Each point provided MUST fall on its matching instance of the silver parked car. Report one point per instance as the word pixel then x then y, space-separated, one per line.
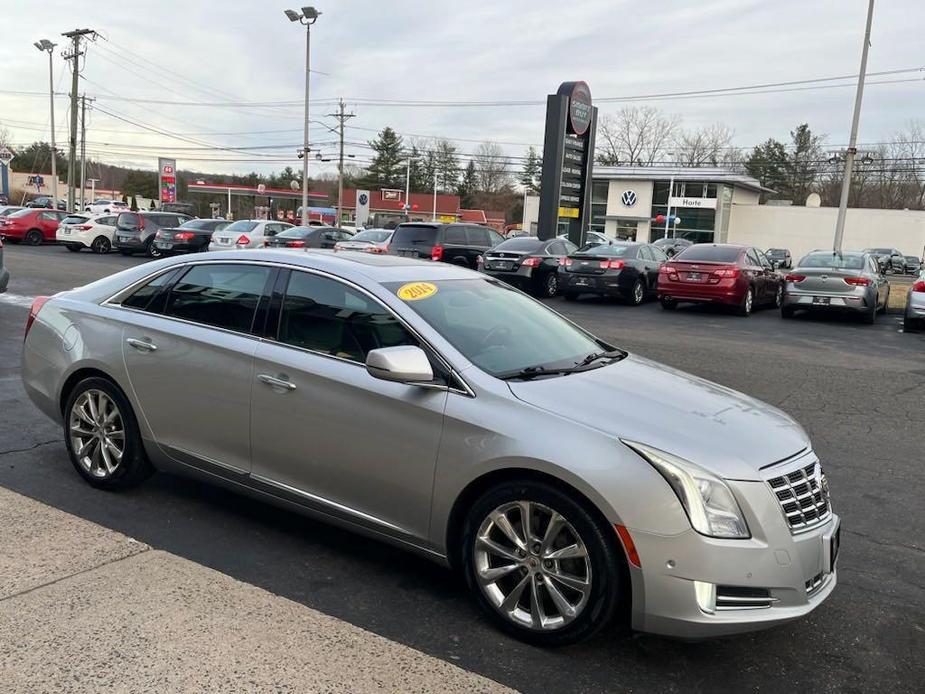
pixel 848 281
pixel 914 316
pixel 497 437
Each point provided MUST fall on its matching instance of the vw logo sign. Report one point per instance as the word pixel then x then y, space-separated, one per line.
pixel 364 198
pixel 629 198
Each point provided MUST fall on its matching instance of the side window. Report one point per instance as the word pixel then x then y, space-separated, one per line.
pixel 752 258
pixel 455 236
pixel 107 221
pixel 150 297
pixel 763 259
pixel 644 254
pixel 327 316
pixel 479 236
pixel 224 296
pixel 46 216
pixel 658 254
pixel 556 248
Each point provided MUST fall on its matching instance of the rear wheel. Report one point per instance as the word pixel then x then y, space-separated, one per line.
pixel 151 250
pixel 102 436
pixel 33 237
pixel 550 285
pixel 571 296
pixel 870 315
pixel 73 247
pixel 779 296
pixel 637 293
pixel 747 303
pixel 541 565
pixel 101 245
pixel 668 304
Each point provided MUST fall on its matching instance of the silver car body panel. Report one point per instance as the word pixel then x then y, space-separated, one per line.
pixel 826 288
pixel 391 460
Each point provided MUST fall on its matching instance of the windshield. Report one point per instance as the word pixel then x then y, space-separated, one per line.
pixel 834 261
pixel 495 327
pixel 709 253
pixel 880 251
pixel 372 235
pixel 608 249
pixel 243 225
pixel 776 251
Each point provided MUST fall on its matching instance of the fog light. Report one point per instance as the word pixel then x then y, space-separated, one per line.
pixel 706 596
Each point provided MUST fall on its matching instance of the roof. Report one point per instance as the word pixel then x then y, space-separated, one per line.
pixel 237 189
pixel 477 216
pixel 447 205
pixel 678 173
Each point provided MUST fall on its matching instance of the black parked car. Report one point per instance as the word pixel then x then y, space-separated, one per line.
pixel 459 244
pixel 623 269
pixel 780 257
pixel 672 246
pixel 46 202
pixel 192 236
pixel 913 265
pixel 135 231
pixel 528 263
pixel 307 237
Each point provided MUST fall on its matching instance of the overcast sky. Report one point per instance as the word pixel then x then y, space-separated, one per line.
pixel 235 51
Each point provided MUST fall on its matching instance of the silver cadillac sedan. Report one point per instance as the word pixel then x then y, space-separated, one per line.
pixel 572 483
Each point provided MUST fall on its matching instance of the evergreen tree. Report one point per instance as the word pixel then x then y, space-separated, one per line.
pixel 468 186
pixel 446 164
pixel 418 183
pixel 387 169
pixel 533 168
pixel 134 206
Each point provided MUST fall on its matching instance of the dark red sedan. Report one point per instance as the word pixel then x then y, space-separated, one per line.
pixel 736 276
pixel 31 225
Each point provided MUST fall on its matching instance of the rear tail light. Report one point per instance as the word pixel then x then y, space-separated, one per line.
pixel 794 278
pixel 182 236
pixel 919 286
pixel 857 281
pixel 82 227
pixel 242 240
pixel 377 249
pixel 670 271
pixel 612 264
pixel 726 273
pixel 295 244
pixel 436 253
pixel 37 304
pixel 531 262
pixel 565 262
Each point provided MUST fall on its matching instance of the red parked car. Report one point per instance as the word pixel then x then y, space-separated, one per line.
pixel 720 273
pixel 31 225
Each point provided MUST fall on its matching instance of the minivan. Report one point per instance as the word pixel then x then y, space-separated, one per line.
pixel 459 244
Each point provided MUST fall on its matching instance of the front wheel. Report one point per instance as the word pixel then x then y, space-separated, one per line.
pixel 33 237
pixel 541 565
pixel 638 292
pixel 101 245
pixel 102 437
pixel 779 297
pixel 153 251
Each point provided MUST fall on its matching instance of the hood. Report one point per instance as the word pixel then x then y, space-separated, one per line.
pixel 717 428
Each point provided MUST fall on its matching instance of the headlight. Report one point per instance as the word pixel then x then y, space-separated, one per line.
pixel 708 501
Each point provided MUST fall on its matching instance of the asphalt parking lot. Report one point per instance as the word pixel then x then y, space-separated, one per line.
pixel 858 390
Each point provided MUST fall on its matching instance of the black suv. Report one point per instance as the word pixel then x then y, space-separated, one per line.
pixel 459 244
pixel 135 231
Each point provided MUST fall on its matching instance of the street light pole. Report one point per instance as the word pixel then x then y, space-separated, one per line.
pixel 668 211
pixel 46 45
pixel 408 187
pixel 308 16
pixel 853 140
pixel 436 173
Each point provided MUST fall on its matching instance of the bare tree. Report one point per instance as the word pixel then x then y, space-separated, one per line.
pixel 493 168
pixel 636 136
pixel 706 146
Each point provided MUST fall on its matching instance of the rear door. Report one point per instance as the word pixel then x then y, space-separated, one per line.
pixel 326 431
pixel 189 353
pixel 756 274
pixel 771 277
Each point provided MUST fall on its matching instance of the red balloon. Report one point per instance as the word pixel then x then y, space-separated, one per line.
pixel 659 218
pixel 414 206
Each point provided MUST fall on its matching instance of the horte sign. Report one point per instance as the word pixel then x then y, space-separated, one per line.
pixel 704 203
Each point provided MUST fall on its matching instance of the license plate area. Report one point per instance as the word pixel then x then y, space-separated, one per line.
pixel 693 277
pixel 821 300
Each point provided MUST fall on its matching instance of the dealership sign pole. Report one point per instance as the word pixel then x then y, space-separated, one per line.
pixel 568 161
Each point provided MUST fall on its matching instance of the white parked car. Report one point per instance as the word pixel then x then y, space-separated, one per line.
pixel 351 227
pixel 246 233
pixel 103 205
pixel 93 231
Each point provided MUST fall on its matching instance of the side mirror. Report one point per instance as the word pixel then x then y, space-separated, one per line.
pixel 405 364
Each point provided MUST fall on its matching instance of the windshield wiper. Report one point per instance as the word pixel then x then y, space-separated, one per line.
pixel 533 371
pixel 615 354
pixel 528 372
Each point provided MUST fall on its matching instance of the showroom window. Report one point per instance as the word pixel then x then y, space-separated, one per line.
pixel 599 191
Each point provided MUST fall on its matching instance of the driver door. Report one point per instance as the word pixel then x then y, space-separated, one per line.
pixel 326 432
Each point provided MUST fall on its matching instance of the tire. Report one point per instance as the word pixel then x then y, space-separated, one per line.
pixel 870 316
pixel 101 245
pixel 571 296
pixel 550 285
pixel 637 293
pixel 151 250
pixel 601 573
pixel 668 304
pixel 886 301
pixel 779 296
pixel 73 247
pixel 787 312
pixel 748 303
pixel 96 466
pixel 33 237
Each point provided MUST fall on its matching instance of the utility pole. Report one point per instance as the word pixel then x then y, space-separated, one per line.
pixel 83 150
pixel 93 188
pixel 853 140
pixel 342 117
pixel 75 54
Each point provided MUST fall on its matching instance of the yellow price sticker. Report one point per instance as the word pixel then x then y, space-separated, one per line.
pixel 415 291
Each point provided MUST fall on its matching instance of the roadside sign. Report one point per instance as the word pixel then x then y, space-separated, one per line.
pixel 6 156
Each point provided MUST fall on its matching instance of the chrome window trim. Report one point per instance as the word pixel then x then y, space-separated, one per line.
pixel 111 302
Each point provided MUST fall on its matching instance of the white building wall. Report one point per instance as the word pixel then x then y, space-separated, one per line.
pixel 803 229
pixel 641 210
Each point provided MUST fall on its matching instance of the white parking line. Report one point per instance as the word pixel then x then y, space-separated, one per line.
pixel 17 300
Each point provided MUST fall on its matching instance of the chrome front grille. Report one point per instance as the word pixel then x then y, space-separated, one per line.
pixel 803 494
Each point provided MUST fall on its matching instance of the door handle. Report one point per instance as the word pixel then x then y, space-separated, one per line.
pixel 276 382
pixel 142 345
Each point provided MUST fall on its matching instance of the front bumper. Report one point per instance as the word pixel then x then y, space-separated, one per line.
pixel 796 570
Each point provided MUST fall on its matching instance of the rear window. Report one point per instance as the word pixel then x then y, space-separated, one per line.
pixel 22 213
pixel 880 251
pixel 372 235
pixel 414 235
pixel 128 219
pixel 296 232
pixel 834 261
pixel 521 244
pixel 612 250
pixel 199 224
pixel 242 225
pixel 75 219
pixel 709 254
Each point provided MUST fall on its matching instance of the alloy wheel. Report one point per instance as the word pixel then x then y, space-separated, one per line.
pixel 749 299
pixel 551 285
pixel 97 433
pixel 101 245
pixel 532 565
pixel 779 297
pixel 638 292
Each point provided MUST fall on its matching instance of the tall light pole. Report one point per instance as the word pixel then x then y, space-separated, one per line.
pixel 436 174
pixel 408 186
pixel 49 47
pixel 308 16
pixel 853 140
